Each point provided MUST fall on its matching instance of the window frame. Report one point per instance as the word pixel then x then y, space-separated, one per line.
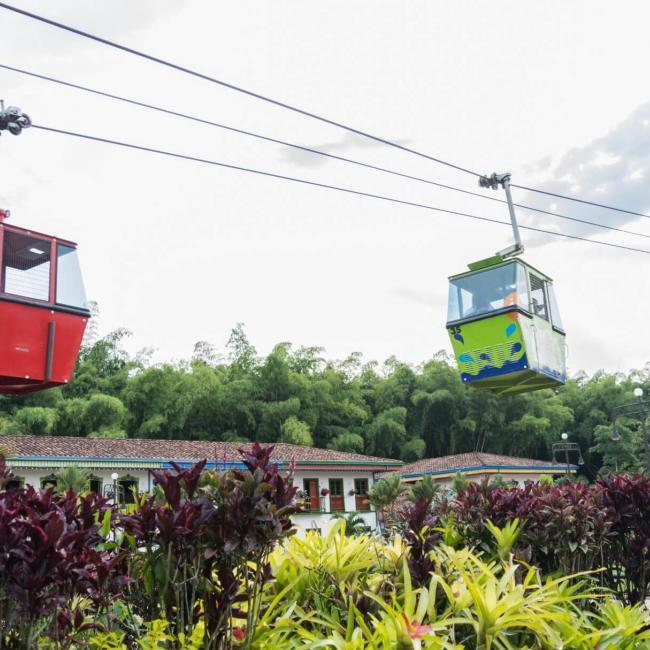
pixel 547 305
pixel 361 498
pixel 336 498
pixel 52 273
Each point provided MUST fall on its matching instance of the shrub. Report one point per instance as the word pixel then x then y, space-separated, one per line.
pixel 208 545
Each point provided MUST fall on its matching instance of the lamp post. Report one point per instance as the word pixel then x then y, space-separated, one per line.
pixel 115 476
pixel 640 408
pixel 567 447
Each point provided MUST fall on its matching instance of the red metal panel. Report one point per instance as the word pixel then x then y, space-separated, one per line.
pixel 24 346
pixel 336 503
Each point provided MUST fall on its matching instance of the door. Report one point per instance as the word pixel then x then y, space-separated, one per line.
pixel 310 486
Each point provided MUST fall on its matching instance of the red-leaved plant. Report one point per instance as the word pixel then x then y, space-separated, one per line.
pixel 208 543
pixel 49 554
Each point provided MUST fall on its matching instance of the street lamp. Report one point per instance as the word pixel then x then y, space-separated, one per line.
pixel 567 447
pixel 115 476
pixel 640 408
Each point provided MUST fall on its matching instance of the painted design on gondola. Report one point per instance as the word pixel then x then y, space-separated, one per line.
pixel 511 329
pixel 492 371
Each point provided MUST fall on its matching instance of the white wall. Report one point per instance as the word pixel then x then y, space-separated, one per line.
pixel 34 476
pixel 319 520
pixel 324 520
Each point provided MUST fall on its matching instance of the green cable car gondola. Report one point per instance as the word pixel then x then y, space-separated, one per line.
pixel 503 320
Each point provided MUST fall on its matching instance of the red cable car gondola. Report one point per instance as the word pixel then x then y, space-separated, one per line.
pixel 43 309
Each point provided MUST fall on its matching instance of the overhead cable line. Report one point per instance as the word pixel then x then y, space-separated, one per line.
pixel 336 188
pixel 290 107
pixel 577 200
pixel 225 84
pixel 310 150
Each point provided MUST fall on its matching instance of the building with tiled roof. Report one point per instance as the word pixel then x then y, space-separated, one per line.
pixel 333 481
pixel 477 465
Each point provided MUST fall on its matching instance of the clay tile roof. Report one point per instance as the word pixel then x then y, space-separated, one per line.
pixel 472 460
pixel 181 450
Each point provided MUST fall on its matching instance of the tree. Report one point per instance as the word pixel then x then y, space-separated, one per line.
pixel 413 450
pixel 387 432
pixel 623 455
pixel 383 493
pixel 109 432
pixel 103 412
pixel 296 432
pixel 347 441
pixel 72 478
pixel 241 354
pixel 426 489
pixel 34 421
pixel 355 524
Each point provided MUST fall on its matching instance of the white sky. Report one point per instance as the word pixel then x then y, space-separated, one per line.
pixel 179 252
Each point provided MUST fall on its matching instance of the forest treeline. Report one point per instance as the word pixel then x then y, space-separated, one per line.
pixel 296 395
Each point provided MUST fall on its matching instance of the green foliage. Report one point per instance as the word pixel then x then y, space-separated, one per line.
pixel 347 441
pixel 296 432
pixel 72 478
pixel 426 489
pixel 33 421
pixel 391 409
pixel 383 493
pixel 459 483
pixel 355 524
pixel 387 432
pixel 103 412
pixel 413 450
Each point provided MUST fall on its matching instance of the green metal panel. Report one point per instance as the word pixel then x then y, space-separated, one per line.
pixel 94 464
pixel 509 353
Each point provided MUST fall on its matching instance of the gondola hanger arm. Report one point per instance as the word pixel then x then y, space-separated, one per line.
pixel 493 182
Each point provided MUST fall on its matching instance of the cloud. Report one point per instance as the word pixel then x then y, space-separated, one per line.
pixel 338 147
pixel 612 170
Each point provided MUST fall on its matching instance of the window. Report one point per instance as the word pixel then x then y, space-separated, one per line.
pixel 16 482
pixel 128 489
pixel 538 297
pixel 69 284
pixel 361 493
pixel 361 486
pixel 486 291
pixel 48 482
pixel 95 484
pixel 555 310
pixel 26 266
pixel 337 503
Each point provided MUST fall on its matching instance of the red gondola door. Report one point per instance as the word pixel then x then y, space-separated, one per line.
pixel 43 310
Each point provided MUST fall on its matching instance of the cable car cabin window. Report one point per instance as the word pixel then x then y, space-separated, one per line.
pixel 69 284
pixel 555 310
pixel 538 297
pixel 487 291
pixel 26 266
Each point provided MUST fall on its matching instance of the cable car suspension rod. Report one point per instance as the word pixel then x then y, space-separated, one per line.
pixel 503 180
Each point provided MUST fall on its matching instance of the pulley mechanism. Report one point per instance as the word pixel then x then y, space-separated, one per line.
pixel 12 119
pixel 493 182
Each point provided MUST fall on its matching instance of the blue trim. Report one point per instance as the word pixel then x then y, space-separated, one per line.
pixel 455 470
pixel 558 375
